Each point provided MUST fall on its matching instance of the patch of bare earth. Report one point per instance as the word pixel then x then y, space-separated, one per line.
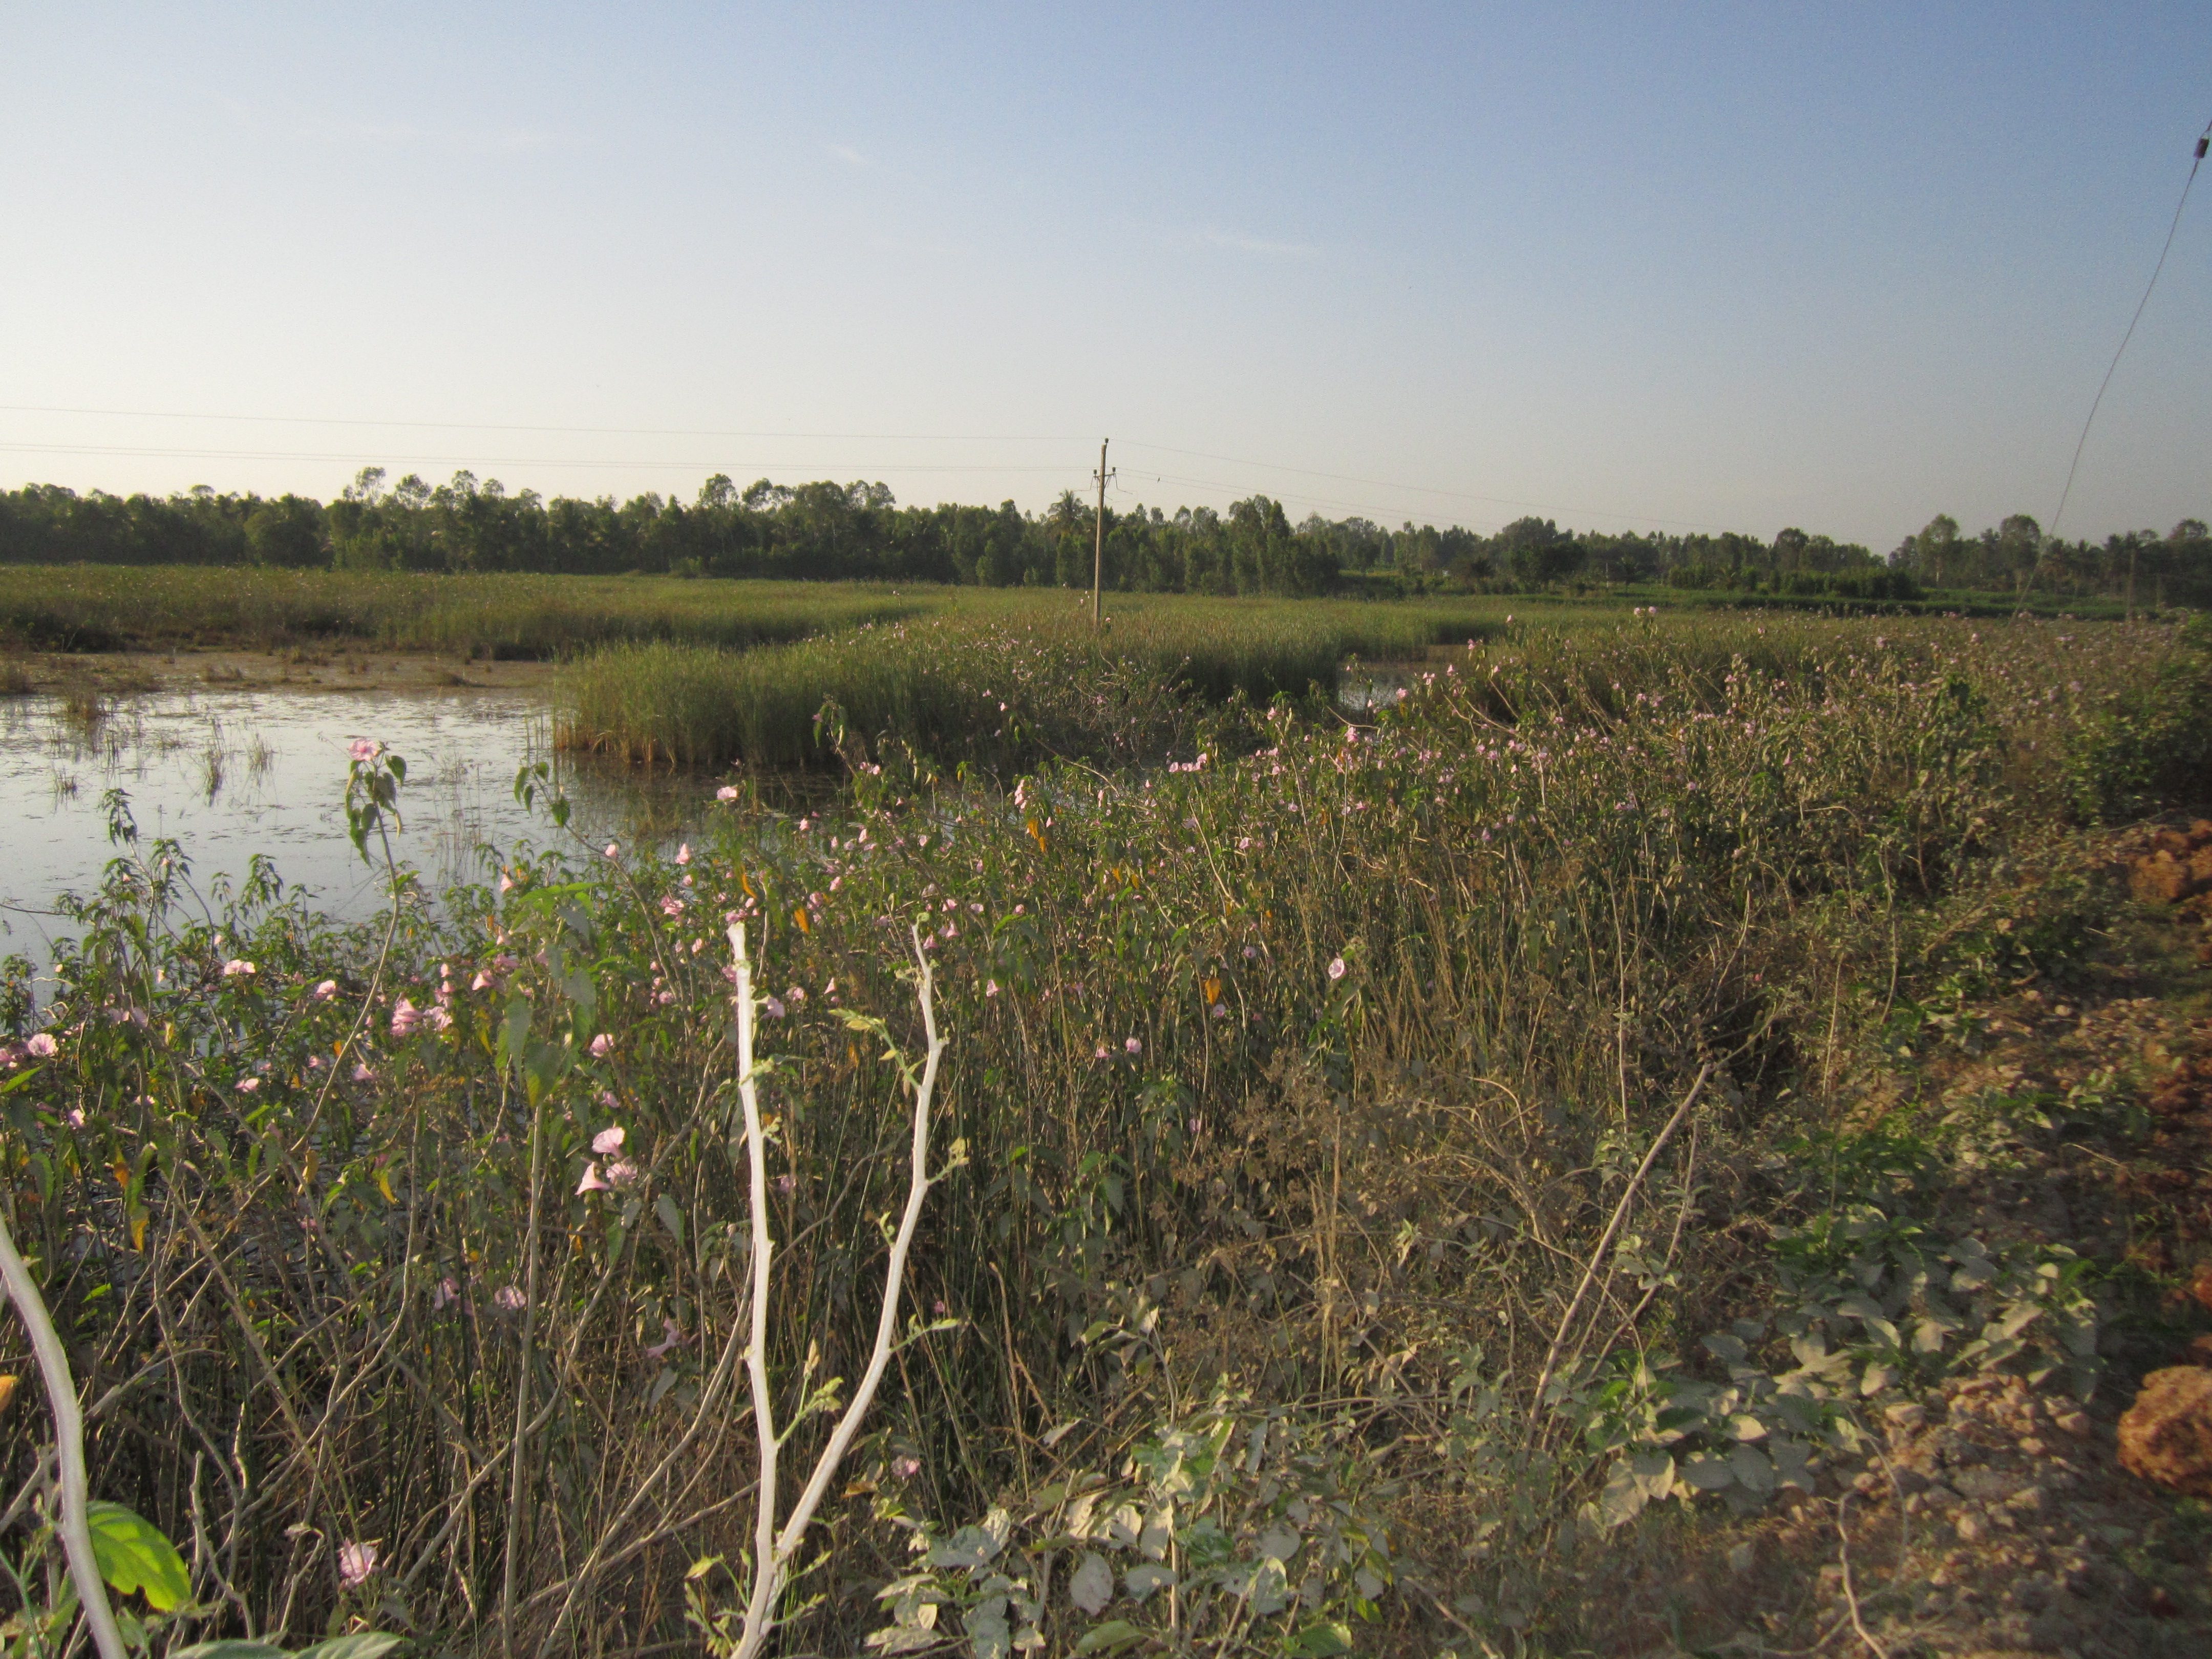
pixel 1996 1517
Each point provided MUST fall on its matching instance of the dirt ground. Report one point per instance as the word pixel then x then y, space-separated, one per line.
pixel 1999 1518
pixel 123 672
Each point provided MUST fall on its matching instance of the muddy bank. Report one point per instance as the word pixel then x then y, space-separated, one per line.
pixel 121 673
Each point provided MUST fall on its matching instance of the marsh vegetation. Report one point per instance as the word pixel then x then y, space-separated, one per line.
pixel 1362 1126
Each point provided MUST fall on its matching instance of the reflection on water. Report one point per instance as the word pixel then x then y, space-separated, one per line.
pixel 233 774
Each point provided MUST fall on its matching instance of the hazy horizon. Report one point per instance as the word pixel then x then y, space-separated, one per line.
pixel 1718 268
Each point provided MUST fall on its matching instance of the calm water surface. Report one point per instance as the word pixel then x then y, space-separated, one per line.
pixel 231 773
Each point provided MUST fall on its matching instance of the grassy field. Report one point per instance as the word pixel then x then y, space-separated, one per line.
pixel 1354 1133
pixel 103 608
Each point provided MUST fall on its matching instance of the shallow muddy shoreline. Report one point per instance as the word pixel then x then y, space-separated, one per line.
pixel 122 673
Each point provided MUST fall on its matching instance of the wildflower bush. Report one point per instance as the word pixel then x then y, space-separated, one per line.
pixel 1309 1061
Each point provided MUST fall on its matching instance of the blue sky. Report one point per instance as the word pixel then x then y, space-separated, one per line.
pixel 1843 267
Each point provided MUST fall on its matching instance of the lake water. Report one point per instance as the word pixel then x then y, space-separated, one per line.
pixel 231 773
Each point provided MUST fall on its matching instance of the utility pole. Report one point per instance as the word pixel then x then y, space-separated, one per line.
pixel 1099 555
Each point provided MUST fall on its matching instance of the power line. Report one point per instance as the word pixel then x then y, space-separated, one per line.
pixel 587 431
pixel 350 457
pixel 2204 143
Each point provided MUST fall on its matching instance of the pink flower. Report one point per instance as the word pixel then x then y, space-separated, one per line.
pixel 602 1046
pixel 683 854
pixel 437 1020
pixel 772 1006
pixel 591 1183
pixel 445 1291
pixel 405 1018
pixel 1134 1046
pixel 355 1561
pixel 1336 970
pixel 362 1074
pixel 483 980
pixel 614 850
pixel 73 1117
pixel 365 748
pixel 237 969
pixel 42 1045
pixel 247 1085
pixel 906 1467
pixel 727 792
pixel 624 1173
pixel 990 988
pixel 607 1142
pixel 326 991
pixel 508 1297
pixel 1219 1010
pixel 671 1336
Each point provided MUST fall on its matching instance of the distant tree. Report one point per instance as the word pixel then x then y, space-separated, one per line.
pixel 286 531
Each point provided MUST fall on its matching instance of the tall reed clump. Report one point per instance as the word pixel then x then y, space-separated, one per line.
pixel 1310 1101
pixel 995 694
pixel 1001 679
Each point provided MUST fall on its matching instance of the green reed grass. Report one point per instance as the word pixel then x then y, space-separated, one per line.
pixel 1005 677
pixel 1312 1071
pixel 101 608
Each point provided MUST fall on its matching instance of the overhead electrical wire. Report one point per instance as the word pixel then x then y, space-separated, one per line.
pixel 585 431
pixel 475 461
pixel 2204 143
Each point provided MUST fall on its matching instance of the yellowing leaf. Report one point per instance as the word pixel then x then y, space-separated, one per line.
pixel 384 1186
pixel 798 915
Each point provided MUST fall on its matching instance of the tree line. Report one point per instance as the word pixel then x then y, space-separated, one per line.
pixel 826 531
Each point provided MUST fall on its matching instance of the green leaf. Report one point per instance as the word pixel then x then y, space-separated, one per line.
pixel 363 1644
pixel 1112 1636
pixel 1323 1638
pixel 133 1555
pixel 229 1648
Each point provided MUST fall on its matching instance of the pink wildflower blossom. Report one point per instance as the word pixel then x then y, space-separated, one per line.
pixel 607 1142
pixel 238 969
pixel 602 1046
pixel 365 748
pixel 405 1018
pixel 727 792
pixel 683 853
pixel 42 1045
pixel 326 991
pixel 591 1183
pixel 247 1085
pixel 508 1297
pixel 355 1561
pixel 1336 969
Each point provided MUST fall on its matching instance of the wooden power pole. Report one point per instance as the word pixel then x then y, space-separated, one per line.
pixel 1098 554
